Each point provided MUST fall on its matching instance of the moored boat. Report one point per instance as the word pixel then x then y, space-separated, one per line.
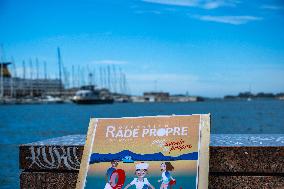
pixel 90 95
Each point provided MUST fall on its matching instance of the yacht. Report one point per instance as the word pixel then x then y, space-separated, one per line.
pixel 90 95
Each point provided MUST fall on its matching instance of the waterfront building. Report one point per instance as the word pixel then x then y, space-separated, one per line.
pixel 156 96
pixel 21 87
pixel 184 98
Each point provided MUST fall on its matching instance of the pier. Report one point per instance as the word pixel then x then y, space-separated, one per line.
pixel 236 161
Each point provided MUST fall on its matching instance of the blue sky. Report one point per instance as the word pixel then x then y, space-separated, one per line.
pixel 205 47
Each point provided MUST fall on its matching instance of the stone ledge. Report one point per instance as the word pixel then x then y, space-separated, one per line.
pixel 67 180
pixel 48 180
pixel 251 159
pixel 246 182
pixel 259 154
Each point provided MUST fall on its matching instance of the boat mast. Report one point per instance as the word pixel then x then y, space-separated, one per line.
pixel 66 77
pixel 78 76
pixel 114 82
pixel 37 69
pixel 59 70
pixel 14 67
pixel 90 75
pixel 108 78
pixel 94 77
pixel 37 77
pixel 120 81
pixel 14 75
pixel 124 84
pixel 73 76
pixel 82 76
pixel 90 79
pixel 24 70
pixel 101 77
pixel 24 85
pixel 31 79
pixel 45 71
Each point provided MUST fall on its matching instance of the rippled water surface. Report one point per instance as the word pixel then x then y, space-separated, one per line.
pixel 21 124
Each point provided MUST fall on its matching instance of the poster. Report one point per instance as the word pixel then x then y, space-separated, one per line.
pixel 146 152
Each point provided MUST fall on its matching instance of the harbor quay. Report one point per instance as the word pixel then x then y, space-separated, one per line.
pixel 237 161
pixel 109 87
pixel 35 88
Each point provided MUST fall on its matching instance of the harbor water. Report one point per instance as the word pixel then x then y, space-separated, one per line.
pixel 21 124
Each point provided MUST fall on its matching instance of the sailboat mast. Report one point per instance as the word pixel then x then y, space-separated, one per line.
pixel 114 79
pixel 14 67
pixel 12 78
pixel 78 76
pixel 104 77
pixel 15 77
pixel 108 78
pixel 24 85
pixel 120 81
pixel 37 77
pixel 31 78
pixel 124 84
pixel 24 70
pixel 73 76
pixel 37 69
pixel 101 77
pixel 45 71
pixel 94 77
pixel 59 70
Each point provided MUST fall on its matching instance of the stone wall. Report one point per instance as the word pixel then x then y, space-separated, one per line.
pixel 236 162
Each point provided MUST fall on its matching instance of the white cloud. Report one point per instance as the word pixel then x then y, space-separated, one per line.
pixel 147 11
pixel 235 20
pixel 205 4
pixel 189 3
pixel 116 62
pixel 213 4
pixel 272 7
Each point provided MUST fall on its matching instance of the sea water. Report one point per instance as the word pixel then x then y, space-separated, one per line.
pixel 21 124
pixel 184 173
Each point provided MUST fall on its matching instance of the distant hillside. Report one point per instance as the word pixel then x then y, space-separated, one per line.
pixel 245 95
pixel 96 157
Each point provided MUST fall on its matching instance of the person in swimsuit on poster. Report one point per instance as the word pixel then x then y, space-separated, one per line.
pixel 109 172
pixel 167 179
pixel 141 182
